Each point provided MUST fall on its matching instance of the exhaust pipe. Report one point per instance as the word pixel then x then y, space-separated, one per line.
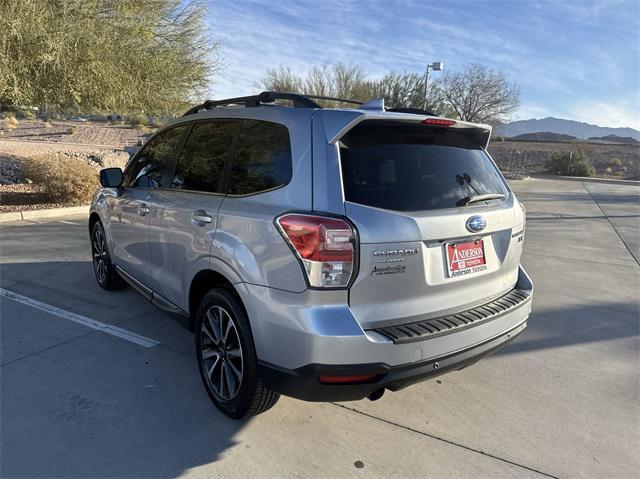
pixel 375 395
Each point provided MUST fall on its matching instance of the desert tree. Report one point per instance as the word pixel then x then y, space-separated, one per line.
pixel 400 90
pixel 479 94
pixel 282 79
pixel 407 90
pixel 152 56
pixel 339 81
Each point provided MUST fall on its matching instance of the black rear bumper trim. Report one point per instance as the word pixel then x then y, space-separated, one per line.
pixel 302 383
pixel 431 328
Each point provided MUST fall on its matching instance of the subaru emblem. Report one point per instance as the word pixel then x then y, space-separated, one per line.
pixel 476 224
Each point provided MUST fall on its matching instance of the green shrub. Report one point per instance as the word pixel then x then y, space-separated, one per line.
pixel 137 121
pixel 65 179
pixel 27 114
pixel 571 163
pixel 156 123
pixel 616 162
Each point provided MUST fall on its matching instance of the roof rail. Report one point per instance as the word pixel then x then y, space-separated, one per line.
pixel 299 101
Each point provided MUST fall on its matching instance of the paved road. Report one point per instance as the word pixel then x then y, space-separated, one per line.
pixel 563 401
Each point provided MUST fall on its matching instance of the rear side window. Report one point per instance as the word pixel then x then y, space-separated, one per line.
pixel 201 164
pixel 414 167
pixel 150 165
pixel 262 158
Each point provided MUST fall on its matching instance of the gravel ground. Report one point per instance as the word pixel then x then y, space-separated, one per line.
pixel 99 143
pixel 84 133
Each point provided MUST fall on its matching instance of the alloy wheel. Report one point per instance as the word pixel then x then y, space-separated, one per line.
pixel 99 248
pixel 221 353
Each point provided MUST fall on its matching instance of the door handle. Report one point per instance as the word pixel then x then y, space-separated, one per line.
pixel 143 209
pixel 201 218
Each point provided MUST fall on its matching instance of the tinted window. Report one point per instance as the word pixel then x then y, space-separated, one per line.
pixel 201 163
pixel 414 167
pixel 150 164
pixel 262 160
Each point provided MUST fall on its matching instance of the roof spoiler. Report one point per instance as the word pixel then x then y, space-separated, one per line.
pixel 338 122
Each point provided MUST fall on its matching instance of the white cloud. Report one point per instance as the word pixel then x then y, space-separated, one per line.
pixel 555 69
pixel 619 114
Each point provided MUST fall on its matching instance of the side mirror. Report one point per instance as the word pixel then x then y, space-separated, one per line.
pixel 111 177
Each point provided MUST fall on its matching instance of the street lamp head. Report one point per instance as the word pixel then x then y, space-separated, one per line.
pixel 437 66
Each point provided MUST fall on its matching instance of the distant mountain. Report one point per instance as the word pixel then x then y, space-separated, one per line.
pixel 544 136
pixel 564 127
pixel 616 139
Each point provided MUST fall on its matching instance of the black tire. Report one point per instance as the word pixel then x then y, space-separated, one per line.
pixel 238 395
pixel 106 274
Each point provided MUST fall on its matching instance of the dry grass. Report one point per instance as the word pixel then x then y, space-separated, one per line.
pixel 64 179
pixel 114 161
pixel 47 124
pixel 10 122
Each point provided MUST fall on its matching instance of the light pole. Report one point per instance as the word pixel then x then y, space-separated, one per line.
pixel 436 67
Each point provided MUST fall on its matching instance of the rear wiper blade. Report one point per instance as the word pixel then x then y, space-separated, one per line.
pixel 477 198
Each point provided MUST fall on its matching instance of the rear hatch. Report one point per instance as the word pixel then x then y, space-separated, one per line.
pixel 439 229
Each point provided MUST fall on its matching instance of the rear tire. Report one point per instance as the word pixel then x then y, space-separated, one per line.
pixel 106 274
pixel 226 357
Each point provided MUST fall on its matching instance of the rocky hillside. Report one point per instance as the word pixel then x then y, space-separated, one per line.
pixel 610 160
pixel 565 127
pixel 616 139
pixel 544 136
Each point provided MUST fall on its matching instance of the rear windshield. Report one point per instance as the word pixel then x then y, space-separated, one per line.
pixel 415 167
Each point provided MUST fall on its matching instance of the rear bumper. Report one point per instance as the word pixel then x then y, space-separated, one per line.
pixel 301 336
pixel 303 383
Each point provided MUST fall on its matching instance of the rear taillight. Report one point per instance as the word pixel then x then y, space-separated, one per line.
pixel 324 245
pixel 438 122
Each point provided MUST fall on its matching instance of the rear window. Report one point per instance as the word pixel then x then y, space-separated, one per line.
pixel 404 167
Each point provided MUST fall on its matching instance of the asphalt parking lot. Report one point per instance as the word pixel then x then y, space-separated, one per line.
pixel 562 401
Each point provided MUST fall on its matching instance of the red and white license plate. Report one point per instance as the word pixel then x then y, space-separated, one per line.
pixel 465 258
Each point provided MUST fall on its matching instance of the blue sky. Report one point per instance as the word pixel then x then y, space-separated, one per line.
pixel 572 59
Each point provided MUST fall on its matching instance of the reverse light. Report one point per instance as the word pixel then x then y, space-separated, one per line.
pixel 438 122
pixel 324 245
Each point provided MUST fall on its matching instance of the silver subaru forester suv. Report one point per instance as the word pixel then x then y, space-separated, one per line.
pixel 327 254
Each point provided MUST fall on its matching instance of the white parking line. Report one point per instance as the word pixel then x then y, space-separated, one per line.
pixel 80 319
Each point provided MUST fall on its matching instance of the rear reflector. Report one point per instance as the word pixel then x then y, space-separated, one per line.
pixel 324 245
pixel 438 122
pixel 346 379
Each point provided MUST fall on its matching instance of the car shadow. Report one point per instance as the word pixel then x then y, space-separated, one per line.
pixel 87 404
pixel 570 325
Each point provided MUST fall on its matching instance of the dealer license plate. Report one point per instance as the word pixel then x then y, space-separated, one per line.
pixel 465 258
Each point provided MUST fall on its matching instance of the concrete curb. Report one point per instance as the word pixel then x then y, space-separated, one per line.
pixel 609 181
pixel 48 213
